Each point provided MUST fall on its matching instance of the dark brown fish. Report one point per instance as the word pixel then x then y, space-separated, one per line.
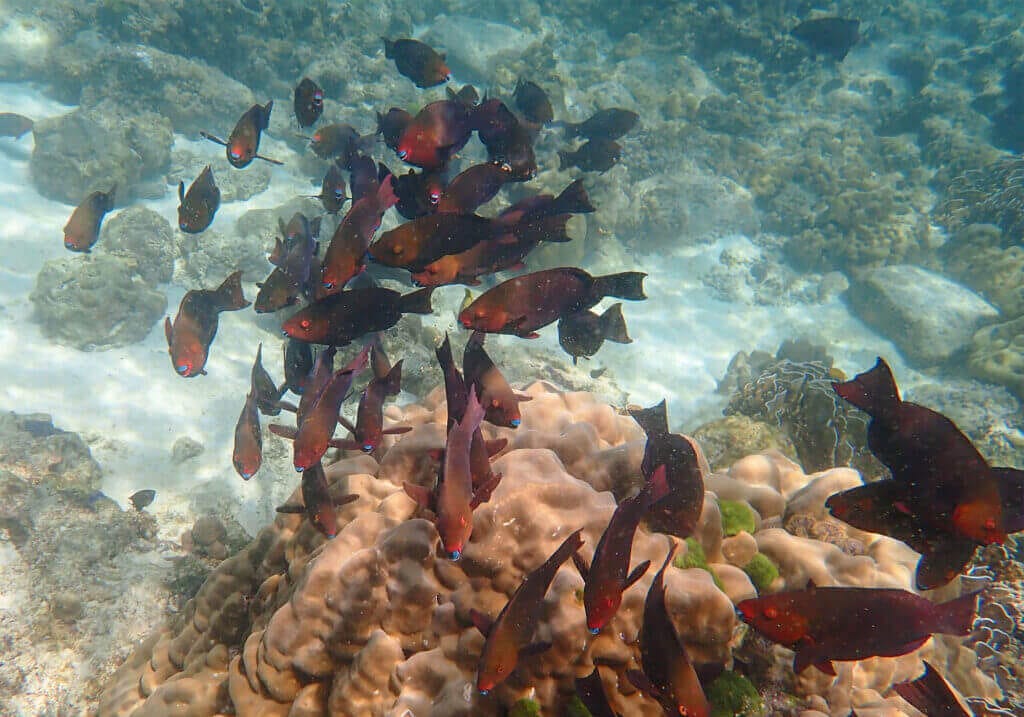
pixel 526 303
pixel 596 155
pixel 391 126
pixel 508 141
pixel 309 102
pixel 318 505
pixel 190 335
pixel 243 144
pixel 500 402
pixel 533 102
pixel 369 426
pixel 247 456
pixel 199 203
pixel 276 292
pixel 832 36
pixel 510 635
pixel 474 187
pixel 332 190
pixel 346 253
pixel 581 334
pixel 267 392
pixel 418 193
pixel 298 365
pixel 837 623
pixel 142 498
pixel 417 61
pixel 590 690
pixel 341 318
pixel 12 125
pixel 604 124
pixel 932 695
pixel 83 228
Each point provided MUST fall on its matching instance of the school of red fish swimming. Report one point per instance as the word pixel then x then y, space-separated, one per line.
pixel 943 499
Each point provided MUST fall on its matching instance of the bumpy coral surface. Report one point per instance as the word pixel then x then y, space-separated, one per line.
pixel 376 621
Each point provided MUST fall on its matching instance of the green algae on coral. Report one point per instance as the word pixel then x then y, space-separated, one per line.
pixel 525 708
pixel 733 695
pixel 761 571
pixel 696 558
pixel 736 517
pixel 576 708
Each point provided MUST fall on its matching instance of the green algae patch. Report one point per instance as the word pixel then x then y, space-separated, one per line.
pixel 736 517
pixel 733 695
pixel 525 708
pixel 576 708
pixel 761 571
pixel 695 558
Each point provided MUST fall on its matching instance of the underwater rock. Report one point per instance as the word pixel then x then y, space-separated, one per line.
pixel 930 318
pixel 99 148
pixel 976 255
pixel 726 440
pixel 25 45
pixel 208 257
pixel 476 48
pixel 95 302
pixel 185 448
pixel 143 238
pixel 40 454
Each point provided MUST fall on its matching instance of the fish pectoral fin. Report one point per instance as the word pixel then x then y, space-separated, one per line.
pixel 288 406
pixel 638 572
pixel 804 658
pixel 168 330
pixel 284 431
pixel 396 431
pixel 268 159
pixel 422 495
pixel 534 648
pixel 483 493
pixel 581 565
pixel 291 508
pixel 481 621
pixel 643 683
pixel 346 499
pixel 826 667
pixel 213 138
pixel 522 397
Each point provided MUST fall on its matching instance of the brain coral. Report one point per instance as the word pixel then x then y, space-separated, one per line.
pixel 377 622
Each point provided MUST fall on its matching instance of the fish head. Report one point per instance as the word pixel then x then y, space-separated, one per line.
pixel 980 521
pixel 775 617
pixel 455 531
pixel 433 191
pixel 188 356
pixel 245 466
pixel 74 243
pixel 437 273
pixel 326 521
pixel 240 152
pixel 483 317
pixel 302 326
pixel 505 414
pixel 601 610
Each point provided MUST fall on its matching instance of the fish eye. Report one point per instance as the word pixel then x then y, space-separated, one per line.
pixel 298 469
pixel 495 403
pixel 183 368
pixel 396 249
pixel 515 422
pixel 316 137
pixel 326 285
pixel 305 323
pixel 235 154
pixel 454 554
pixel 435 197
pixel 69 244
pixel 594 630
pixel 771 613
pixel 484 692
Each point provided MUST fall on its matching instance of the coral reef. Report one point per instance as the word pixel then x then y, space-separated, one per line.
pixel 997 355
pixel 145 239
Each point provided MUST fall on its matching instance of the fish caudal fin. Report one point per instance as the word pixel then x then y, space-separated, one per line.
pixel 873 392
pixel 653 420
pixel 568 548
pixel 418 302
pixel 956 617
pixel 392 383
pixel 628 285
pixel 573 200
pixel 930 693
pixel 229 293
pixel 613 325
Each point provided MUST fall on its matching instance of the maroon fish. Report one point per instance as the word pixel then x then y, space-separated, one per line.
pixel 243 144
pixel 417 61
pixel 83 228
pixel 609 576
pixel 341 318
pixel 467 95
pixel 190 335
pixel 369 426
pixel 668 675
pixel 484 257
pixel 508 141
pixel 510 635
pixel 346 254
pixel 677 505
pixel 267 393
pixel 318 505
pixel 308 102
pixel 932 695
pixel 500 402
pixel 572 200
pixel 526 303
pixel 277 291
pixel 298 365
pixel 417 243
pixel 247 455
pixel 838 623
pixel 440 130
pixel 474 187
pixel 295 253
pixel 533 102
pixel 391 126
pixel 582 334
pixel 199 203
pixel 590 690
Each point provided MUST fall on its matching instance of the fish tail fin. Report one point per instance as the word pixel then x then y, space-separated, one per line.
pixel 393 381
pixel 956 617
pixel 568 547
pixel 873 391
pixel 417 302
pixel 229 293
pixel 389 48
pixel 613 325
pixel 473 414
pixel 573 200
pixel 444 352
pixel 109 198
pixel 564 160
pixel 653 420
pixel 627 285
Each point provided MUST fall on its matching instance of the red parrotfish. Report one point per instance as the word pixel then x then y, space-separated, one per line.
pixel 533 102
pixel 316 424
pixel 309 102
pixel 418 193
pixel 190 335
pixel 391 126
pixel 529 302
pixel 668 675
pixel 932 695
pixel 298 365
pixel 247 455
pixel 572 200
pixel 510 635
pixel 823 624
pixel 267 392
pixel 474 187
pixel 677 505
pixel 417 243
pixel 199 203
pixel 346 254
pixel 606 124
pixel 440 130
pixel 341 318
pixel 332 190
pixel 596 155
pixel 501 403
pixel 582 334
pixel 590 690
pixel 243 144
pixel 608 576
pixel 417 61
pixel 340 141
pixel 369 426
pixel 318 505
pixel 83 228
pixel 14 125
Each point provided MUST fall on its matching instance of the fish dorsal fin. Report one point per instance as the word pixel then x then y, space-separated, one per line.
pixel 291 508
pixel 481 622
pixel 181 192
pixel 811 585
pixel 638 572
pixel 168 330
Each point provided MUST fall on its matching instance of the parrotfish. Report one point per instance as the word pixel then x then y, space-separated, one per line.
pixel 668 675
pixel 243 144
pixel 199 204
pixel 341 318
pixel 590 690
pixel 508 141
pixel 596 155
pixel 346 254
pixel 581 334
pixel 500 402
pixel 533 102
pixel 391 126
pixel 340 141
pixel 365 176
pixel 267 392
pixel 309 102
pixel 510 635
pixel 318 505
pixel 332 190
pixel 832 36
pixel 440 130
pixel 474 187
pixel 417 243
pixel 932 695
pixel 823 624
pixel 294 255
pixel 608 576
pixel 417 61
pixel 14 125
pixel 676 505
pixel 606 124
pixel 190 335
pixel 369 427
pixel 247 455
pixel 418 193
pixel 298 365
pixel 485 257
pixel 572 200
pixel 529 302
pixel 83 228
pixel 277 291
